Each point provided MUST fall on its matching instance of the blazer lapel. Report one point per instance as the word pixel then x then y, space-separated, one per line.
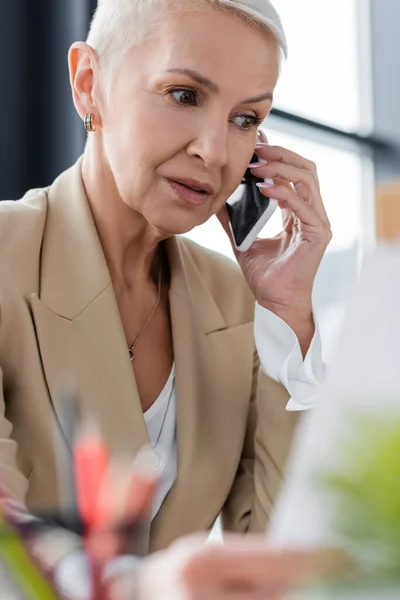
pixel 77 320
pixel 210 391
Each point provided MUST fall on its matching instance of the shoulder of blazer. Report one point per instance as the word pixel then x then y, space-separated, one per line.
pixel 224 280
pixel 22 225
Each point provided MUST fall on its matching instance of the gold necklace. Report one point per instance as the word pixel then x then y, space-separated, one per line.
pixel 135 342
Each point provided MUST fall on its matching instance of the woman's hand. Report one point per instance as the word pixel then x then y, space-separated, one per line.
pixel 241 569
pixel 281 271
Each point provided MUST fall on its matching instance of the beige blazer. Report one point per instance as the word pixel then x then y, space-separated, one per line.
pixel 58 314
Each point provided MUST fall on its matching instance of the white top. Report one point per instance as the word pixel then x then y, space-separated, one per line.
pixel 281 358
pixel 161 427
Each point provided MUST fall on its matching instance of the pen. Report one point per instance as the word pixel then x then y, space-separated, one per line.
pixel 67 412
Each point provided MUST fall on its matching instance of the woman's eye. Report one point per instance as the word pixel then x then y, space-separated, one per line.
pixel 246 122
pixel 184 96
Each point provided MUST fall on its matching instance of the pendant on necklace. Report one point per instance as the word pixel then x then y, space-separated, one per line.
pixel 132 354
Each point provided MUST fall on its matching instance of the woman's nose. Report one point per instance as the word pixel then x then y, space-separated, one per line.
pixel 211 145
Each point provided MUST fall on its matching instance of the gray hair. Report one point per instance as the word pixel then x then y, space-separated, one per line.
pixel 119 25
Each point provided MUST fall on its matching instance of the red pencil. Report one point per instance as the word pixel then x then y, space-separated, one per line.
pixel 91 462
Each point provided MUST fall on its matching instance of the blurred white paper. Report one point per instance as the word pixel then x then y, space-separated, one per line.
pixel 364 377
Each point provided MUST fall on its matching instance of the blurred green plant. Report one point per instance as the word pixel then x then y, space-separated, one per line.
pixel 365 489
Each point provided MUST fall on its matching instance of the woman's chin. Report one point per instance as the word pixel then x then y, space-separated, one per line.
pixel 169 231
pixel 178 224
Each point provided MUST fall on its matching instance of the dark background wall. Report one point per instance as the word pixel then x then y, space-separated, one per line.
pixel 40 132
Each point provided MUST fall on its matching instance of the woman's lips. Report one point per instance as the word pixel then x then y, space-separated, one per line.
pixel 188 195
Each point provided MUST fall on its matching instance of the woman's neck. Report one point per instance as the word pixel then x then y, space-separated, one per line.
pixel 129 243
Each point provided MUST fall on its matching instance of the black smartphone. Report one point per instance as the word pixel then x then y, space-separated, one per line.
pixel 249 210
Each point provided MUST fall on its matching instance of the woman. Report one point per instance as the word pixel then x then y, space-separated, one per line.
pixel 95 283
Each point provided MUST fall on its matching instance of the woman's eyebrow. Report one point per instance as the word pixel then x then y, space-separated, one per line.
pixel 261 98
pixel 206 82
pixel 201 79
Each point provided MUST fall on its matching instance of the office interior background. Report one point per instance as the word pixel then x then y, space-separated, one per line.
pixel 337 103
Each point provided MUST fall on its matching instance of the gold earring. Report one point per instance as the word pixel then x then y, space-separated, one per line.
pixel 88 120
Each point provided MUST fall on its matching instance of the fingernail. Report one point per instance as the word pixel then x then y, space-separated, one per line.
pixel 262 145
pixel 268 183
pixel 260 163
pixel 262 136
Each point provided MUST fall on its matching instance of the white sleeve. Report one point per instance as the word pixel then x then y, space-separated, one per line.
pixel 281 358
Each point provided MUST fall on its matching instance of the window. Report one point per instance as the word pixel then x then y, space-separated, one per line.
pixel 323 78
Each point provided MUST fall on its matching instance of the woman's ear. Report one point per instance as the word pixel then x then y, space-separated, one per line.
pixel 83 67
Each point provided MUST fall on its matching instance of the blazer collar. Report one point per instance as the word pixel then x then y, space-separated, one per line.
pixel 73 268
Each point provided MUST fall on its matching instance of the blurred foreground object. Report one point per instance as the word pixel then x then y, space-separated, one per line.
pixel 22 571
pixel 241 569
pixel 366 490
pixel 388 211
pixel 352 441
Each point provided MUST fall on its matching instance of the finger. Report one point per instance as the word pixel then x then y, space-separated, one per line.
pixel 277 571
pixel 287 216
pixel 252 567
pixel 259 594
pixel 293 202
pixel 286 173
pixel 253 546
pixel 298 177
pixel 262 137
pixel 279 154
pixel 240 569
pixel 284 182
pixel 304 178
pixel 208 593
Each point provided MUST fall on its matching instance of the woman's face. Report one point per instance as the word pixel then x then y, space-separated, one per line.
pixel 183 113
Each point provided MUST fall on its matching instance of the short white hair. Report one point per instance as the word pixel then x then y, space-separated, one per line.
pixel 119 25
